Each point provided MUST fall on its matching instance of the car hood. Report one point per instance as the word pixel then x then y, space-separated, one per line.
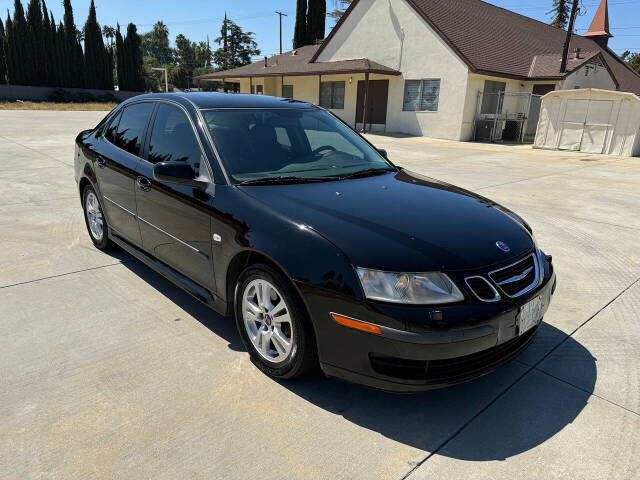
pixel 401 221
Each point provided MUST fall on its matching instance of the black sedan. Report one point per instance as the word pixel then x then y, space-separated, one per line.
pixel 326 253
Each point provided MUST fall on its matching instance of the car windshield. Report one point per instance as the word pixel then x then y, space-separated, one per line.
pixel 289 145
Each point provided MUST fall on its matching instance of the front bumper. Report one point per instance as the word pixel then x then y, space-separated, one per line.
pixel 420 348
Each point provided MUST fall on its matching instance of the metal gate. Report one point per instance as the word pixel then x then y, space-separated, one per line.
pixel 506 117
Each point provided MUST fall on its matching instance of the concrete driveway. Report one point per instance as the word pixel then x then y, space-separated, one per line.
pixel 109 371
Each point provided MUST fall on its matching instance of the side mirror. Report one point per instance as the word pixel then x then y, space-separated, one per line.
pixel 180 173
pixel 382 152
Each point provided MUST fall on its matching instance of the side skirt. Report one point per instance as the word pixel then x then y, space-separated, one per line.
pixel 189 286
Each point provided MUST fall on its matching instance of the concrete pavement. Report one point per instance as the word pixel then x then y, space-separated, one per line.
pixel 109 371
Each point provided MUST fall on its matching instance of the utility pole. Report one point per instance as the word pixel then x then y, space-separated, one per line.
pixel 280 14
pixel 565 50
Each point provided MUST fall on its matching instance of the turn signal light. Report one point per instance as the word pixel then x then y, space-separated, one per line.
pixel 357 324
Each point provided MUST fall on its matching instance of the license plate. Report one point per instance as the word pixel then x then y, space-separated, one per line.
pixel 531 313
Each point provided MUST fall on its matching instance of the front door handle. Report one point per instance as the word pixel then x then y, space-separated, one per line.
pixel 102 162
pixel 144 184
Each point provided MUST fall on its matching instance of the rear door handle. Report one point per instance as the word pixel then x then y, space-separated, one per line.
pixel 144 184
pixel 102 162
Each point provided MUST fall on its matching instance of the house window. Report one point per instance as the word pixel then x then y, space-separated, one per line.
pixel 287 91
pixel 491 102
pixel 421 95
pixel 259 89
pixel 332 95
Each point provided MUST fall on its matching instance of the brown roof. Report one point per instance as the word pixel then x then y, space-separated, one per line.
pixel 600 24
pixel 299 64
pixel 500 42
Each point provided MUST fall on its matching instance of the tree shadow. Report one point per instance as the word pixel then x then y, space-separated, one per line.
pixel 523 408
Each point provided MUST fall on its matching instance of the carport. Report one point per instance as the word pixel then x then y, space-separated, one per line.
pixel 590 120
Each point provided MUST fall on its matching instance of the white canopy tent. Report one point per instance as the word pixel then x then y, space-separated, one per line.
pixel 590 120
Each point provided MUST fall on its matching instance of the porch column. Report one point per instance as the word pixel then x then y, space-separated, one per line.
pixel 365 107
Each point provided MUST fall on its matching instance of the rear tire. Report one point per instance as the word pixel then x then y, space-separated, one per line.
pixel 94 219
pixel 273 324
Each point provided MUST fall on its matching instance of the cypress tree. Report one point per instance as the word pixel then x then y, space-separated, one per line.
pixel 133 59
pixel 93 51
pixel 3 69
pixel 46 46
pixel 73 50
pixel 120 58
pixel 8 49
pixel 61 52
pixel 18 42
pixel 300 32
pixel 35 60
pixel 315 20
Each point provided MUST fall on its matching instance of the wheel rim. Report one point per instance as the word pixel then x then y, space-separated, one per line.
pixel 267 320
pixel 94 216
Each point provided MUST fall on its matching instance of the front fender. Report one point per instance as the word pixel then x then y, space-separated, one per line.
pixel 301 252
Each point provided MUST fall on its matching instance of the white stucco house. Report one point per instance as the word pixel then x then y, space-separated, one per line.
pixel 417 66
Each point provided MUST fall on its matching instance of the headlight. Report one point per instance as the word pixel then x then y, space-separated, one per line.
pixel 413 288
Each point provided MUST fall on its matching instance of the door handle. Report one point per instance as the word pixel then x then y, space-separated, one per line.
pixel 102 162
pixel 144 184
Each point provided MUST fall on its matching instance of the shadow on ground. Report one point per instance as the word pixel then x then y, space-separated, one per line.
pixel 533 411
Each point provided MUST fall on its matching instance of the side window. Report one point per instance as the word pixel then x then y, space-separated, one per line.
pixel 173 138
pixel 131 127
pixel 110 134
pixel 283 137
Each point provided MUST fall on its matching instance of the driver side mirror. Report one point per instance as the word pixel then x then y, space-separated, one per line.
pixel 382 152
pixel 180 173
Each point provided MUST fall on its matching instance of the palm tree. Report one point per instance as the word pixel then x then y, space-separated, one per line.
pixel 109 33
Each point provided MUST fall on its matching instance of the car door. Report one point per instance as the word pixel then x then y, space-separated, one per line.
pixel 174 220
pixel 116 171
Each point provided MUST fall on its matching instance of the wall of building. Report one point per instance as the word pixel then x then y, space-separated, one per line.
pixel 39 94
pixel 393 34
pixel 590 75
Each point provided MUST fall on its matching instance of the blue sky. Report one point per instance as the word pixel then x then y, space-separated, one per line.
pixel 198 18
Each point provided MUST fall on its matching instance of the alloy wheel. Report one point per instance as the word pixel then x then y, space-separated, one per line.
pixel 94 216
pixel 267 320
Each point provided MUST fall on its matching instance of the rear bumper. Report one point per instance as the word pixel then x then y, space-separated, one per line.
pixel 414 354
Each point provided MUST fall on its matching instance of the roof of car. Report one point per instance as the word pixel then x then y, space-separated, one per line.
pixel 226 100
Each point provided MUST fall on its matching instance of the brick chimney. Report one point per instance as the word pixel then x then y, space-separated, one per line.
pixel 599 29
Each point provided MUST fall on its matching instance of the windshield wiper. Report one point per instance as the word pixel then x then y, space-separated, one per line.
pixel 287 179
pixel 369 172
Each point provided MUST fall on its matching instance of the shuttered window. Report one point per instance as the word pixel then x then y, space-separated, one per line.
pixel 421 95
pixel 332 95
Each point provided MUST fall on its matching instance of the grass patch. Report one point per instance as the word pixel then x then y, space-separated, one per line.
pixel 72 106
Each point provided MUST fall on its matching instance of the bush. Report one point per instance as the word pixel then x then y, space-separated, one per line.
pixel 64 96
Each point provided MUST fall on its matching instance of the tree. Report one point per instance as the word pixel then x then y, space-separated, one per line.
pixel 109 33
pixel 316 21
pixel 300 32
pixel 17 41
pixel 120 64
pixel 236 46
pixel 132 59
pixel 632 59
pixel 98 69
pixel 73 55
pixel 155 43
pixel 35 60
pixel 561 11
pixel 3 60
pixel 340 6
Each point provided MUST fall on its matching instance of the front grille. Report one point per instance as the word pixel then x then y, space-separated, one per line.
pixel 518 278
pixel 482 289
pixel 450 370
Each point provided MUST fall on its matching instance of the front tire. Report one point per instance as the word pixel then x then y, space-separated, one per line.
pixel 273 324
pixel 94 219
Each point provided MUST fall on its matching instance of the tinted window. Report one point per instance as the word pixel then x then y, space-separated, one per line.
pixel 131 127
pixel 258 143
pixel 110 134
pixel 173 138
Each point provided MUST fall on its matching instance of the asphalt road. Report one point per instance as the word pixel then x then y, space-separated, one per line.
pixel 109 371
